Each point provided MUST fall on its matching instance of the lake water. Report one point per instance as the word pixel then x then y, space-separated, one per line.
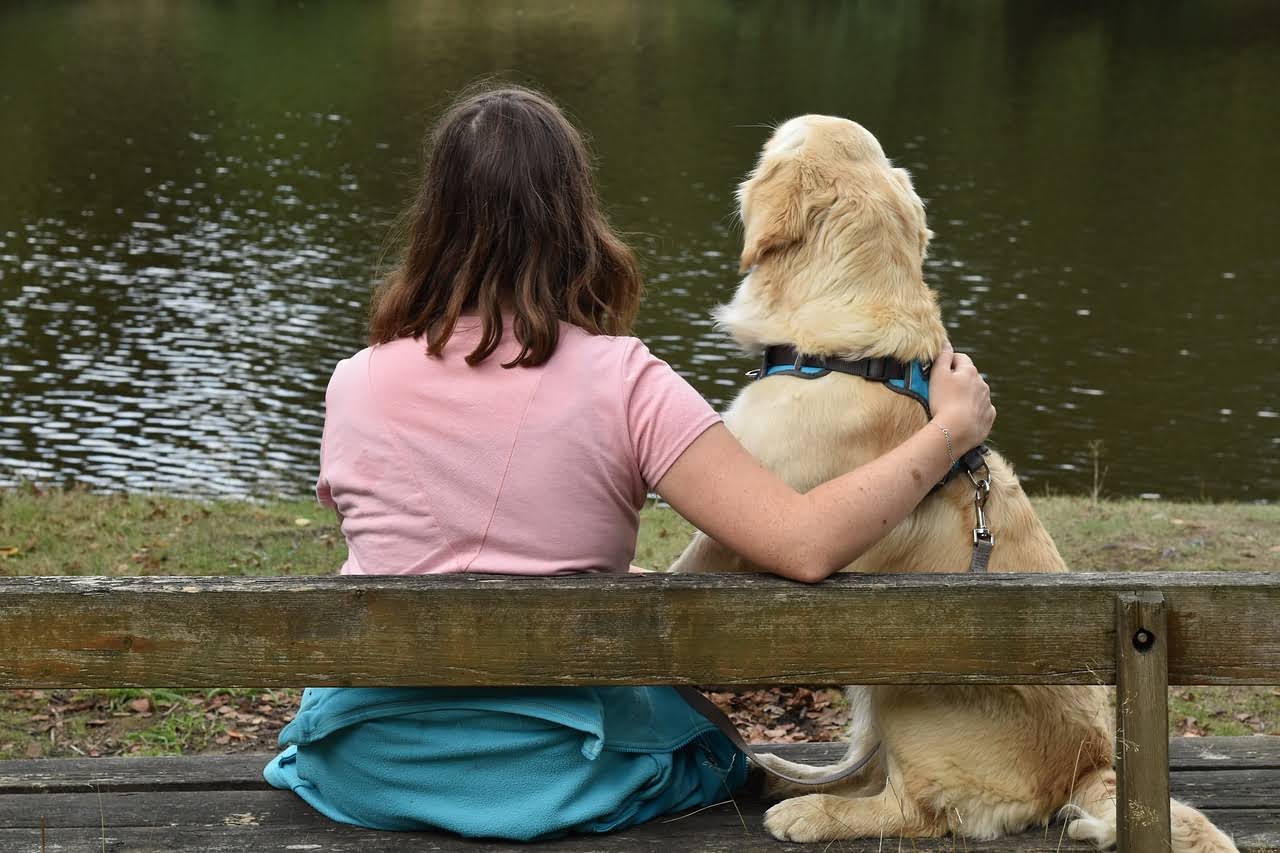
pixel 196 196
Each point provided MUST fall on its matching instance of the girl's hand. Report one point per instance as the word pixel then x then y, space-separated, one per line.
pixel 960 399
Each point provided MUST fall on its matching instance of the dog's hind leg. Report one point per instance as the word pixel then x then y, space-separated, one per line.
pixel 825 817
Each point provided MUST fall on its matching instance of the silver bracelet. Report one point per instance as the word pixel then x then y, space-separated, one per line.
pixel 947 435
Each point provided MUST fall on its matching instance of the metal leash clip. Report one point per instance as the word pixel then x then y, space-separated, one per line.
pixel 983 539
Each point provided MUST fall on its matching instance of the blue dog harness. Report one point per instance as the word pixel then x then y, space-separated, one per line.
pixel 910 379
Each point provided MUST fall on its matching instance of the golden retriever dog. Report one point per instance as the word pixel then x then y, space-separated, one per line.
pixel 834 244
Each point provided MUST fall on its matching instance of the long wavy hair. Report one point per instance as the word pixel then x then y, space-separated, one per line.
pixel 507 220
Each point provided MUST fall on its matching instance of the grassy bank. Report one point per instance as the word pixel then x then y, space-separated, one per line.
pixel 53 532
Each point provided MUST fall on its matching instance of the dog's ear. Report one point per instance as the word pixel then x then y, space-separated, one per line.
pixel 776 202
pixel 924 235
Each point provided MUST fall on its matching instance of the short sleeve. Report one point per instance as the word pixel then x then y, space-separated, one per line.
pixel 324 494
pixel 664 412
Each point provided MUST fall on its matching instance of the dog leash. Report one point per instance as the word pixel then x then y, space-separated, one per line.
pixel 717 718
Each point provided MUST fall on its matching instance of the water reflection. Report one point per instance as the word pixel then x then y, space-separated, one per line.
pixel 199 194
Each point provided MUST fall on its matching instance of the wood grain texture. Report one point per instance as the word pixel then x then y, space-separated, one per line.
pixel 723 629
pixel 219 803
pixel 134 805
pixel 1142 720
pixel 243 771
pixel 279 821
pixel 718 832
pixel 240 772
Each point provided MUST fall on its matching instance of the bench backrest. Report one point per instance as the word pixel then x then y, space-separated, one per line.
pixel 648 629
pixel 1138 631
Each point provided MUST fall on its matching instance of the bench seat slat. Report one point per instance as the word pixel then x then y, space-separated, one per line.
pixel 250 824
pixel 243 771
pixel 698 835
pixel 219 803
pixel 1220 790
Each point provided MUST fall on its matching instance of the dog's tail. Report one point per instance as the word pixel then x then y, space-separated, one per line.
pixel 1092 816
pixel 860 732
pixel 868 780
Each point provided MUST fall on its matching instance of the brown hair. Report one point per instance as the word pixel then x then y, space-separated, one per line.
pixel 507 218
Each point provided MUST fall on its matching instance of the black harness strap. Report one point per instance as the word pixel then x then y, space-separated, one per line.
pixel 875 369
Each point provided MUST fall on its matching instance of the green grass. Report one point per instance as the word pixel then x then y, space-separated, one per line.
pixel 75 532
pixel 1138 535
pixel 56 532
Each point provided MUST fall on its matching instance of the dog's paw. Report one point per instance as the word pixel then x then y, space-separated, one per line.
pixel 804 819
pixel 1082 826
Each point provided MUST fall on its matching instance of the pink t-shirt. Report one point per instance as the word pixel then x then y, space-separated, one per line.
pixel 435 466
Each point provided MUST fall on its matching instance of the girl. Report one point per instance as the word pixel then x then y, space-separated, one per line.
pixel 502 422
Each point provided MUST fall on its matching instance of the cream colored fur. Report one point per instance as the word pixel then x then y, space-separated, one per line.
pixel 834 244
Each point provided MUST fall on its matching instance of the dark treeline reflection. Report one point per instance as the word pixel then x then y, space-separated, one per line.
pixel 197 196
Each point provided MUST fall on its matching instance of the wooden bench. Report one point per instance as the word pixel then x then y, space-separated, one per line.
pixel 1144 631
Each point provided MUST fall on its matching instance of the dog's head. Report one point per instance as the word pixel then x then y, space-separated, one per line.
pixel 835 239
pixel 828 177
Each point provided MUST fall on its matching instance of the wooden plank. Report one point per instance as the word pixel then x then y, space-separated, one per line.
pixel 724 629
pixel 170 773
pixel 1228 789
pixel 1225 753
pixel 694 836
pixel 1142 720
pixel 243 771
pixel 183 818
pixel 1219 790
pixel 243 825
